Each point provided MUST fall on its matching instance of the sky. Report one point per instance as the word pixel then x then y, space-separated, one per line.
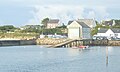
pixel 26 12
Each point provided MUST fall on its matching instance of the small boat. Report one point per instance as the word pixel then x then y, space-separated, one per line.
pixel 83 47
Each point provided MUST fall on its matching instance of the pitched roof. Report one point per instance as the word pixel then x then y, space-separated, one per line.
pixel 83 24
pixel 89 22
pixel 70 22
pixel 53 21
pixel 102 30
pixel 108 22
pixel 115 30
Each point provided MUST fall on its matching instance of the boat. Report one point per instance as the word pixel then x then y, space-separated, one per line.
pixel 80 47
pixel 83 47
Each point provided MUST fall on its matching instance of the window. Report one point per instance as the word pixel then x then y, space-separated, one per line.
pixel 116 34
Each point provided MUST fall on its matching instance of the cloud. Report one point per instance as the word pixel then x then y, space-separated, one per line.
pixel 91 14
pixel 62 12
pixel 68 12
pixel 99 12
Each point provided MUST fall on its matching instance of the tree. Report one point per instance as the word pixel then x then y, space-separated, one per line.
pixel 63 26
pixel 7 28
pixel 44 22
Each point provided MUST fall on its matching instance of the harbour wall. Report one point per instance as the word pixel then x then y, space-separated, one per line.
pixel 102 42
pixel 17 42
pixel 49 41
pixel 90 42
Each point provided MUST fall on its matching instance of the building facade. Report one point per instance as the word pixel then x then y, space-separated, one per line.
pixel 53 23
pixel 78 30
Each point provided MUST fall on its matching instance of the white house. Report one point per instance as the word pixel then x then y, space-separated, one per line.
pixel 78 30
pixel 103 32
pixel 109 33
pixel 108 23
pixel 116 32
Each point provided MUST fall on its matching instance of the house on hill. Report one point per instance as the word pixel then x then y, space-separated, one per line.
pixel 78 30
pixel 109 23
pixel 53 23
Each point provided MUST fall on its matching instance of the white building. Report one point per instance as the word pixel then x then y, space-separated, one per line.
pixel 109 33
pixel 78 30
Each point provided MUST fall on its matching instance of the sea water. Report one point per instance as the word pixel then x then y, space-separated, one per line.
pixel 35 58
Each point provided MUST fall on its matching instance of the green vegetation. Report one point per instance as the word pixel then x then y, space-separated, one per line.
pixel 117 23
pixel 28 31
pixel 52 31
pixel 44 22
pixel 19 35
pixel 7 28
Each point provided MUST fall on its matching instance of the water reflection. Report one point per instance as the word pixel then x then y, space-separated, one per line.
pixel 73 52
pixel 110 49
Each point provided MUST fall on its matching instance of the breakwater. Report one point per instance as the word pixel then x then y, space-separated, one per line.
pixel 17 42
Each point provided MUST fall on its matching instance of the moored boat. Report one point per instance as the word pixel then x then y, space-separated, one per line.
pixel 83 47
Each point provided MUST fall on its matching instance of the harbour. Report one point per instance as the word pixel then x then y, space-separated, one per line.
pixel 37 58
pixel 59 36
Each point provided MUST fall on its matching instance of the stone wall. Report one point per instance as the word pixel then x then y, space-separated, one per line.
pixel 49 41
pixel 114 43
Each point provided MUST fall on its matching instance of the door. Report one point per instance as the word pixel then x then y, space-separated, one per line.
pixel 73 33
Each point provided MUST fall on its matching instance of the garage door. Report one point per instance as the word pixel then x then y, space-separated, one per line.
pixel 73 33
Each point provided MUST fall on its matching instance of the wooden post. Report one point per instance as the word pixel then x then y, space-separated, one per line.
pixel 107 56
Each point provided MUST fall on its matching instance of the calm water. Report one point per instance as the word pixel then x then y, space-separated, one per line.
pixel 41 59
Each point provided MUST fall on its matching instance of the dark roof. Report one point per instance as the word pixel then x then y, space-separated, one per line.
pixel 102 30
pixel 83 24
pixel 53 21
pixel 108 22
pixel 115 30
pixel 89 22
pixel 70 22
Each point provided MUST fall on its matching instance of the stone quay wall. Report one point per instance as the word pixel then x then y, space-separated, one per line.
pixel 114 43
pixel 50 41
